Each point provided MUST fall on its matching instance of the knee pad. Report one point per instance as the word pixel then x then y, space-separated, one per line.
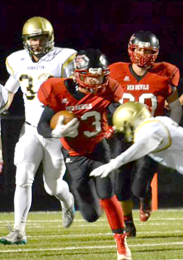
pixel 89 213
pixel 24 175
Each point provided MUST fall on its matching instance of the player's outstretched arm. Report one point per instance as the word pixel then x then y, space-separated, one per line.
pixel 134 152
pixel 7 93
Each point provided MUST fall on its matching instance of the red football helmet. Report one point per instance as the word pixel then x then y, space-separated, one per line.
pixel 147 41
pixel 91 63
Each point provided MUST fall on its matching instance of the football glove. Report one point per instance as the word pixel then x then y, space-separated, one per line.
pixel 104 170
pixel 69 130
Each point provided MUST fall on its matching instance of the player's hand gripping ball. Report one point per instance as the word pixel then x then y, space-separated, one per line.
pixel 68 116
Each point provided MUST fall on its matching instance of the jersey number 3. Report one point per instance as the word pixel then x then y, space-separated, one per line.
pixel 30 94
pixel 96 123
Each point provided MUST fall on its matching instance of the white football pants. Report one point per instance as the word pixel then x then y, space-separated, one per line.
pixel 30 150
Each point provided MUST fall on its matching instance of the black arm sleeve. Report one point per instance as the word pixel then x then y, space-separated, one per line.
pixel 44 128
pixel 110 111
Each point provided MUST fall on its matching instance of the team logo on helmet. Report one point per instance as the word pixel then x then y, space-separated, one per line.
pixel 81 62
pixel 91 63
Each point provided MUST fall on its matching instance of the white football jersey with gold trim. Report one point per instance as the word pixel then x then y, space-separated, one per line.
pixel 30 75
pixel 169 152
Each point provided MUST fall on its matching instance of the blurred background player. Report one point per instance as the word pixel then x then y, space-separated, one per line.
pixel 29 68
pixel 87 95
pixel 159 137
pixel 150 83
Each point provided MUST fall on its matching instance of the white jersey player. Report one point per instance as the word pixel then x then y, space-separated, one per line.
pixel 28 69
pixel 158 137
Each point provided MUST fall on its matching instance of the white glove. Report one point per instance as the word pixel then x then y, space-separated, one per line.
pixel 104 170
pixel 70 129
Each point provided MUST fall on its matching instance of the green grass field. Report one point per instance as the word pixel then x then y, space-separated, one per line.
pixel 160 238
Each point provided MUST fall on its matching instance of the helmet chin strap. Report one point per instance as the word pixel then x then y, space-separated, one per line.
pixel 39 55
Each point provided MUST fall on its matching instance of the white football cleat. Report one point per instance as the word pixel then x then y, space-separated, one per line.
pixel 14 237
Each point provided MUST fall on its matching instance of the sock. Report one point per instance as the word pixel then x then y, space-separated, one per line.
pixel 128 219
pixel 113 213
pixel 22 204
pixel 127 207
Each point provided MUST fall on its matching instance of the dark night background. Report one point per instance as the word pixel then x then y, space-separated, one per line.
pixel 106 25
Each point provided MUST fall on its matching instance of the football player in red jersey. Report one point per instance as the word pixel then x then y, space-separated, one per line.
pixel 150 83
pixel 88 95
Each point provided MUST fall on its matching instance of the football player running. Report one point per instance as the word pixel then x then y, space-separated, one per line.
pixel 150 83
pixel 159 137
pixel 88 96
pixel 29 68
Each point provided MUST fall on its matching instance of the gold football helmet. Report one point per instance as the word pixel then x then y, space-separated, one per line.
pixel 37 26
pixel 128 116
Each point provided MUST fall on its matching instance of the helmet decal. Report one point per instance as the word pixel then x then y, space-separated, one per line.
pixel 91 63
pixel 81 62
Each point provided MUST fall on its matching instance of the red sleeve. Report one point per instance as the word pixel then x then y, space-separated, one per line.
pixel 169 70
pixel 116 69
pixel 44 92
pixel 175 77
pixel 116 90
pixel 49 91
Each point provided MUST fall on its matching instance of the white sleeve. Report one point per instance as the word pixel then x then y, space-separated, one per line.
pixel 3 96
pixel 137 150
pixel 68 65
pixel 12 85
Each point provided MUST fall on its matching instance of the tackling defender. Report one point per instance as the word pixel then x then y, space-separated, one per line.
pixel 159 137
pixel 29 68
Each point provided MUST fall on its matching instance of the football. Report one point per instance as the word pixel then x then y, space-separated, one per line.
pixel 68 116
